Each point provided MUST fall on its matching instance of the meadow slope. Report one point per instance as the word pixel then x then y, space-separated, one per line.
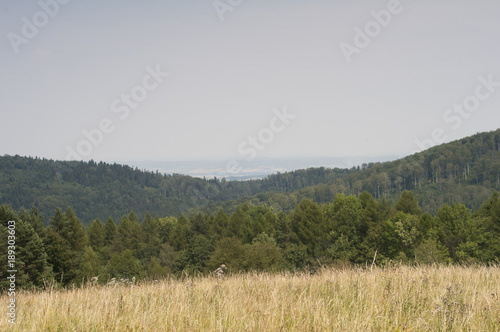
pixel 379 299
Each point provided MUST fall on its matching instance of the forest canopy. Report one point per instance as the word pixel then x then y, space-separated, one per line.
pixel 348 230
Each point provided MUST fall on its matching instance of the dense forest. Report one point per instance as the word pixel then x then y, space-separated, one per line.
pixel 466 171
pixel 437 206
pixel 348 230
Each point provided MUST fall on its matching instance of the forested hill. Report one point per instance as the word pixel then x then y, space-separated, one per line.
pixel 465 171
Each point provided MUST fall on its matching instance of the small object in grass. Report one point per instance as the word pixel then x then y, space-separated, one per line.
pixel 220 271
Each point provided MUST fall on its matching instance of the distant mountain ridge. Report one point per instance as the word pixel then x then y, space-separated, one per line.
pixel 465 171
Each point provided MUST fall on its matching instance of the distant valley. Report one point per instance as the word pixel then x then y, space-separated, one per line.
pixel 252 170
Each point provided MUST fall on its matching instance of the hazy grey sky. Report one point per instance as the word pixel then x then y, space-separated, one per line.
pixel 72 73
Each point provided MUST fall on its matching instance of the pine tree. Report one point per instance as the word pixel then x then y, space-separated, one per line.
pixel 35 219
pixel 90 266
pixel 132 216
pixel 196 256
pixel 372 226
pixel 109 232
pixel 219 225
pixel 31 251
pixel 150 242
pixel 491 209
pixel 237 220
pixel 180 234
pixel 96 235
pixel 58 221
pixel 60 256
pixel 73 231
pixel 7 214
pixel 283 231
pixel 408 203
pixel 30 256
pixel 165 228
pixel 307 224
pixel 199 224
pixel 129 235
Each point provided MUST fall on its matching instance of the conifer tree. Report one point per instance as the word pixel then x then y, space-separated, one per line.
pixel 180 234
pixel 58 221
pixel 35 219
pixel 73 232
pixel 307 223
pixel 109 232
pixel 408 203
pixel 90 265
pixel 31 251
pixel 150 242
pixel 96 235
pixel 60 256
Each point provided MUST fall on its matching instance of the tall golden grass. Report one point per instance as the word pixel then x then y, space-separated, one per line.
pixel 379 299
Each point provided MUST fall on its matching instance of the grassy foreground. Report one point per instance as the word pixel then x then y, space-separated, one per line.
pixel 390 299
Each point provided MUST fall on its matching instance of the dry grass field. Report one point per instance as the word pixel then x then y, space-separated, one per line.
pixel 389 299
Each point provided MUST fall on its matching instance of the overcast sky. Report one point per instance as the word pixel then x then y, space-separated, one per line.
pixel 233 66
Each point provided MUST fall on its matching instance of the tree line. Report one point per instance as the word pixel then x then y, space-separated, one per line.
pixel 350 229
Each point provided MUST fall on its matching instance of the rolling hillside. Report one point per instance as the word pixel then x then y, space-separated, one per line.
pixel 465 171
